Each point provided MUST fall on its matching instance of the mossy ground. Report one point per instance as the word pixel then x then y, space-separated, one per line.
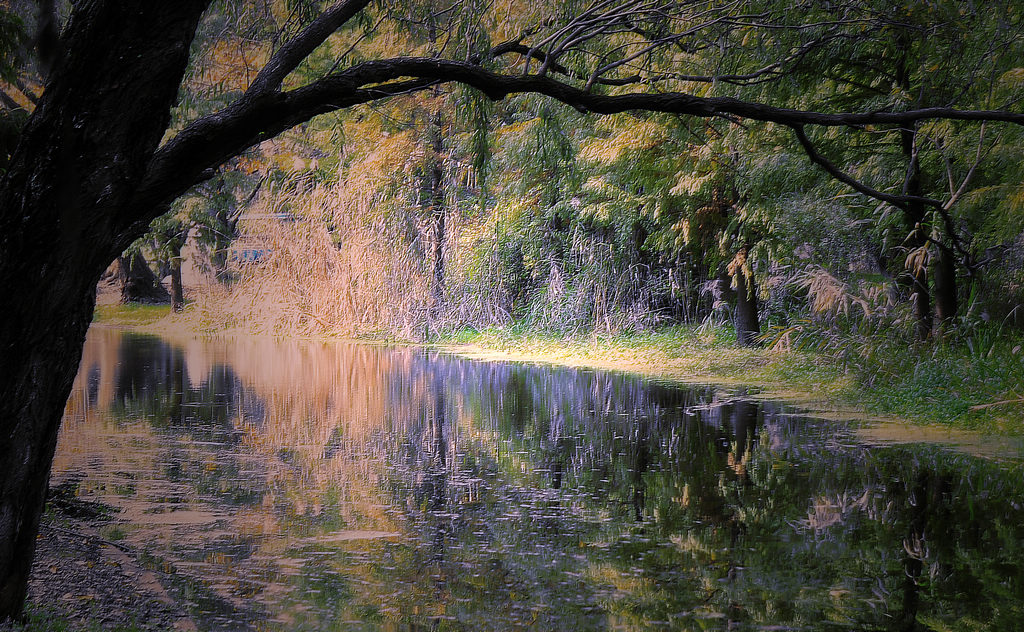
pixel 46 619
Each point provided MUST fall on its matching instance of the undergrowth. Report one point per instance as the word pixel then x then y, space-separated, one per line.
pixel 41 619
pixel 970 379
pixel 969 374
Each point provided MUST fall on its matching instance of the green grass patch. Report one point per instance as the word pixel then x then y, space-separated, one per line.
pixel 48 619
pixel 973 380
pixel 683 352
pixel 113 532
pixel 130 314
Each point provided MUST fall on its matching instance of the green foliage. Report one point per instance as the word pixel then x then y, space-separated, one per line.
pixel 13 41
pixel 572 224
pixel 952 380
pixel 977 366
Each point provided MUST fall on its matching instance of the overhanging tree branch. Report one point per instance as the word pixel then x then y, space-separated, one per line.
pixel 498 86
pixel 296 50
pixel 260 115
pixel 901 202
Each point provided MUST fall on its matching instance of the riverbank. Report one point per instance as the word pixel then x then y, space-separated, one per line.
pixel 975 385
pixel 683 354
pixel 946 385
pixel 81 579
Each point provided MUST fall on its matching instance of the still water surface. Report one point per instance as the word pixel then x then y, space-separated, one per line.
pixel 306 486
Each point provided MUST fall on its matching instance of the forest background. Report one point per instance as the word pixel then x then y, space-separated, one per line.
pixel 891 253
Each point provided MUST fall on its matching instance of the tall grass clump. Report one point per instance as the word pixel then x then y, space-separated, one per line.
pixel 319 261
pixel 971 373
pixel 511 267
pixel 345 259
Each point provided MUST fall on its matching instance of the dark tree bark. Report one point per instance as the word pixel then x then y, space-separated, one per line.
pixel 437 209
pixel 916 216
pixel 920 295
pixel 943 268
pixel 726 295
pixel 748 326
pixel 138 283
pixel 78 164
pixel 916 241
pixel 177 294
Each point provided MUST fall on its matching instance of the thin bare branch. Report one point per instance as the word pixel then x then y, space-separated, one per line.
pixel 979 155
pixel 9 103
pixel 903 202
pixel 296 50
pixel 27 90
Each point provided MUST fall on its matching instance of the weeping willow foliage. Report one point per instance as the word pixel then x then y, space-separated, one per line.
pixel 549 217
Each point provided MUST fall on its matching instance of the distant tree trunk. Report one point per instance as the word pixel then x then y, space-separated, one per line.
pixel 917 240
pixel 944 279
pixel 748 327
pixel 916 218
pixel 726 297
pixel 177 295
pixel 138 283
pixel 921 297
pixel 437 210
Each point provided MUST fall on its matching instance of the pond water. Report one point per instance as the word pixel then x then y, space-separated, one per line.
pixel 307 486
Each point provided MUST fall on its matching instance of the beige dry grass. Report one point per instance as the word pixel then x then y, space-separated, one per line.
pixel 360 276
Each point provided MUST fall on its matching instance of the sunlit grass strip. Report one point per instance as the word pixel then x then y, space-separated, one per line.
pixel 131 314
pixel 960 384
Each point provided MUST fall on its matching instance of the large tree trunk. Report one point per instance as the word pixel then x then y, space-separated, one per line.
pixel 63 217
pixel 917 219
pixel 39 362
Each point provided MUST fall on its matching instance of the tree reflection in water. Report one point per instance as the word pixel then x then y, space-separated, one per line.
pixel 305 486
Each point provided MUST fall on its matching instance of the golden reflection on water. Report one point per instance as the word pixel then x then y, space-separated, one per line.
pixel 295 485
pixel 311 419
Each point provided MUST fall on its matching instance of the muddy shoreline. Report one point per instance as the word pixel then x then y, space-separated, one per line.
pixel 83 581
